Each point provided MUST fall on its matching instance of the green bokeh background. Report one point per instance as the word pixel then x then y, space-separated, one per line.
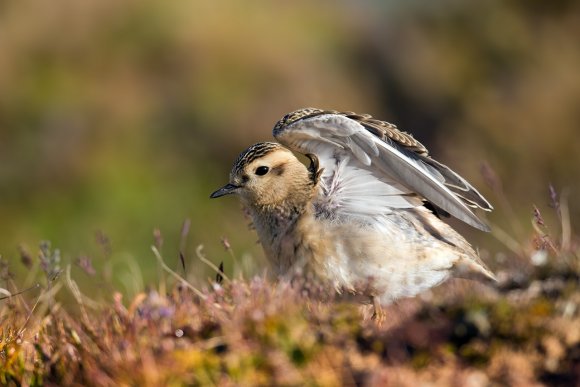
pixel 122 116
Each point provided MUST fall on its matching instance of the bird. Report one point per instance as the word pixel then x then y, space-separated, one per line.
pixel 364 217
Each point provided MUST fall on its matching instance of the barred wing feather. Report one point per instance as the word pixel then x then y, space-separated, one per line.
pixel 370 167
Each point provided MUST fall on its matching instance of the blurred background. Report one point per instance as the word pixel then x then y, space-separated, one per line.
pixel 121 117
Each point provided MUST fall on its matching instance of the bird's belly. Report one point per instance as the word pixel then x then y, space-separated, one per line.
pixel 389 259
pixel 375 263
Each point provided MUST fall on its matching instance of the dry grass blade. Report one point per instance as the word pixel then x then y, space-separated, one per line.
pixel 506 239
pixel 219 277
pixel 199 253
pixel 174 274
pixel 76 292
pixel 565 222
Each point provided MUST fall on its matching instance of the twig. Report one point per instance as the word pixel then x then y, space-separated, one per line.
pixel 10 295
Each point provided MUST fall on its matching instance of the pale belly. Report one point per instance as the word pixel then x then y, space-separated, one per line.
pixel 381 260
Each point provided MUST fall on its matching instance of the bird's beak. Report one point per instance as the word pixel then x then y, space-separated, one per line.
pixel 225 190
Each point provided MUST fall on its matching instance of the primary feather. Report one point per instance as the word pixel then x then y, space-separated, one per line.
pixel 371 167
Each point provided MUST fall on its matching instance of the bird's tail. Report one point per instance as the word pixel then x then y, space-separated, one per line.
pixel 473 268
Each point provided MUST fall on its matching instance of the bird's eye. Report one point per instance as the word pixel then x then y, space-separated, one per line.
pixel 261 171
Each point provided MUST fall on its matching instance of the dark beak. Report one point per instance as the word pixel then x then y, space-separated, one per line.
pixel 225 190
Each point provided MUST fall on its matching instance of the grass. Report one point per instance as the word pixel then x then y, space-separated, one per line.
pixel 255 331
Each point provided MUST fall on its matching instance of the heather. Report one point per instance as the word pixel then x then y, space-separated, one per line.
pixel 233 330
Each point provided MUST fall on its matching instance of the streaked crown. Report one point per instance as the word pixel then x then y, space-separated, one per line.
pixel 254 152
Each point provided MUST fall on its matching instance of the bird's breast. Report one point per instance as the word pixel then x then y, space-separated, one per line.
pixel 310 247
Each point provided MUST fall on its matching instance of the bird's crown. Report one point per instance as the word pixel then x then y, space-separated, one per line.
pixel 254 152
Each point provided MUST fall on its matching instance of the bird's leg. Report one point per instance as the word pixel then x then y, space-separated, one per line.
pixel 378 314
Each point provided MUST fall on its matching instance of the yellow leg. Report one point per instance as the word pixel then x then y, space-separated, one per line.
pixel 378 314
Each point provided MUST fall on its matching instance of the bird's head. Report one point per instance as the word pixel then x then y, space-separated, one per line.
pixel 267 174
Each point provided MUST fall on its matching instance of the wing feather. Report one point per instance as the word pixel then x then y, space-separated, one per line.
pixel 349 189
pixel 371 167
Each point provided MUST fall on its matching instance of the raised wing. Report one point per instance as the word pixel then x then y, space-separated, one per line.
pixel 371 167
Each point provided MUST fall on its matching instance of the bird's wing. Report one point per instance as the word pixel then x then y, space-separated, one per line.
pixel 371 167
